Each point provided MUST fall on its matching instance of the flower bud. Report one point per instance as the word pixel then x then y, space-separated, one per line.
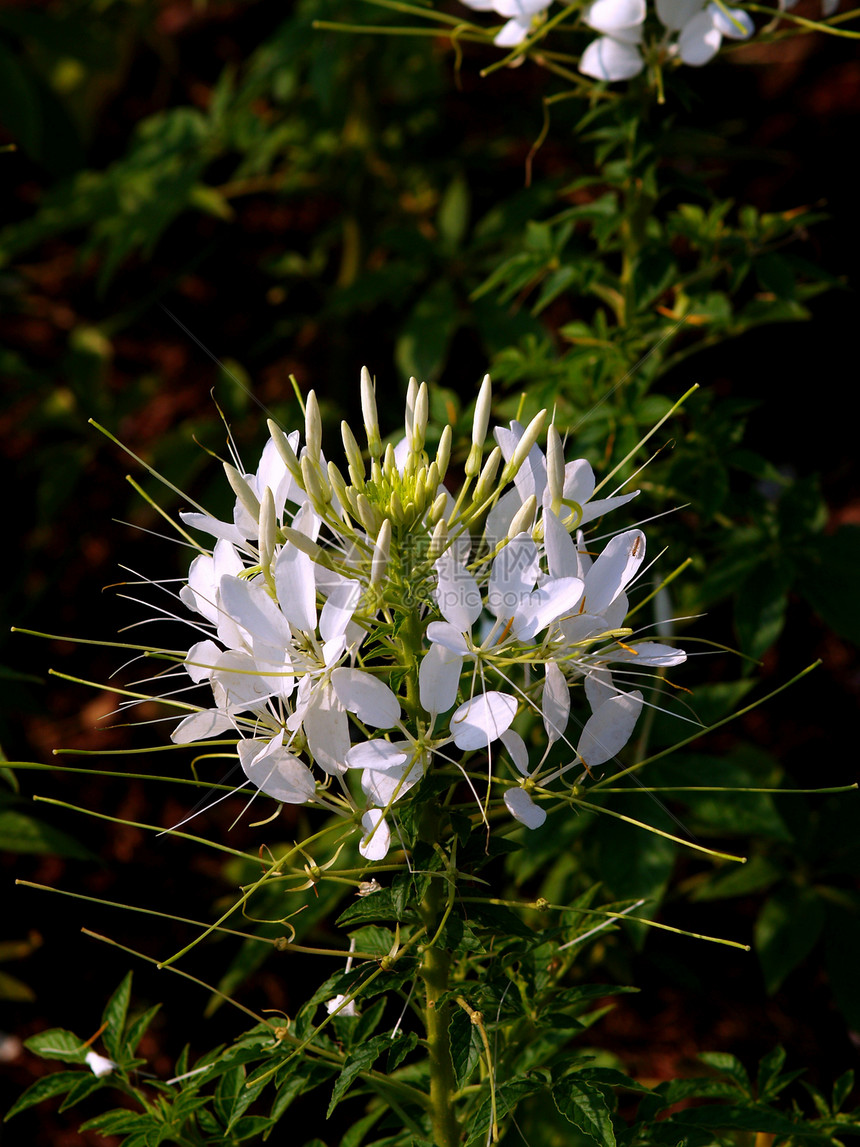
pixel 368 412
pixel 524 518
pixel 381 553
pixel 487 479
pixel 439 540
pixel 554 468
pixel 367 515
pixel 243 491
pixel 529 438
pixel 268 528
pixel 313 427
pixel 443 451
pixel 286 451
pixel 354 460
pixel 419 419
pixel 315 484
pixel 480 422
pixel 438 510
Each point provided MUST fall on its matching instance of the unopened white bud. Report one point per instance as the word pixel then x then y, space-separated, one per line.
pixel 315 484
pixel 354 460
pixel 524 518
pixel 381 553
pixel 439 509
pixel 554 468
pixel 529 438
pixel 282 445
pixel 439 540
pixel 368 413
pixel 487 479
pixel 443 451
pixel 389 463
pixel 367 515
pixel 313 426
pixel 243 491
pixel 419 419
pixel 411 395
pixel 480 422
pixel 268 528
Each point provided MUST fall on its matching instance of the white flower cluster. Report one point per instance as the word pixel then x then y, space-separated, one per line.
pixel 375 624
pixel 693 30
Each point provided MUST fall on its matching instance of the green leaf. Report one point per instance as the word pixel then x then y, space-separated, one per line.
pixel 423 341
pixel 43 1089
pixel 507 1097
pixel 22 833
pixel 466 1045
pixel 230 1089
pixel 114 1016
pixel 360 1060
pixel 751 1118
pixel 739 880
pixel 57 1043
pixel 786 931
pixel 829 580
pixel 729 1065
pixel 400 1048
pixel 768 1071
pixel 584 1105
pixel 452 218
pixel 760 606
pixel 137 1029
pixel 86 1085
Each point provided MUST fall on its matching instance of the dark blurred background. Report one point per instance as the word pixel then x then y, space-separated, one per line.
pixel 287 194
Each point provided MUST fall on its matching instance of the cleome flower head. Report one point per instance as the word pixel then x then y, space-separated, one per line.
pixel 360 626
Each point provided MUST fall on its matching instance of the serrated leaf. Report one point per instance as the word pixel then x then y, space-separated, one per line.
pixel 114 1015
pixel 57 1043
pixel 401 1046
pixel 466 1045
pixel 730 1065
pixel 86 1085
pixel 584 1105
pixel 508 1095
pixel 360 1060
pixel 42 1089
pixel 138 1028
pixel 752 1118
pixel 231 1087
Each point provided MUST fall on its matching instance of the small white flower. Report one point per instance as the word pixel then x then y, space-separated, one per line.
pixel 98 1064
pixel 520 15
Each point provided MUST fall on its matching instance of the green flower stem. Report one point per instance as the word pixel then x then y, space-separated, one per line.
pixel 435 964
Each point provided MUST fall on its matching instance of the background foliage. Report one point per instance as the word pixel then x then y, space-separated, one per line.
pixel 302 202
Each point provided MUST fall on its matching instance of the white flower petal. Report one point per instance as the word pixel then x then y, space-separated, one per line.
pixel 651 653
pixel 609 729
pixel 296 588
pixel 276 772
pixel 555 702
pixel 250 606
pixel 457 593
pixel 613 570
pixel 610 16
pixel 482 719
pixel 375 843
pixel 199 726
pixel 512 33
pixel 370 699
pixel 523 808
pixel 326 727
pixel 98 1064
pixel 439 678
pixel 554 599
pixel 734 22
pixel 674 14
pixel 201 660
pixel 611 59
pixel 376 754
pixel 699 41
pixel 516 746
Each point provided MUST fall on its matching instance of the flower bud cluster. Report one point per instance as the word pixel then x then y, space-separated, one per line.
pixel 364 625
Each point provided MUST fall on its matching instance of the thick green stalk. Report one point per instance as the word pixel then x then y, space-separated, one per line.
pixel 435 963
